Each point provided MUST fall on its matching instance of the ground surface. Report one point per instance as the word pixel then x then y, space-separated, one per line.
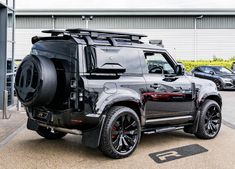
pixel 229 107
pixel 10 127
pixel 28 150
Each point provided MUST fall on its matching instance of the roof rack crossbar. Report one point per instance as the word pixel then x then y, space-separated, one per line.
pixel 95 33
pixel 88 34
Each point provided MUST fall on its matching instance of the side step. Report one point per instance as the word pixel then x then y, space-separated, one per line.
pixel 169 120
pixel 161 129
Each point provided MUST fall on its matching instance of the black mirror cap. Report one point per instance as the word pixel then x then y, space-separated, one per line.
pixel 180 69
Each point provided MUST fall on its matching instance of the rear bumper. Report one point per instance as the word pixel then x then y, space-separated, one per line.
pixel 68 119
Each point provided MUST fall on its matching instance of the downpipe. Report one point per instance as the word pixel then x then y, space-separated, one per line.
pixel 61 129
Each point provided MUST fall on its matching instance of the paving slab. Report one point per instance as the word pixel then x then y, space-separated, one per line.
pixel 9 127
pixel 29 151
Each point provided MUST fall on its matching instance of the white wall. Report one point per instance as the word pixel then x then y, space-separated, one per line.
pixel 23 41
pixel 179 42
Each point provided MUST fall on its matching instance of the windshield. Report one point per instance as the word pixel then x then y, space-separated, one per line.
pixel 222 70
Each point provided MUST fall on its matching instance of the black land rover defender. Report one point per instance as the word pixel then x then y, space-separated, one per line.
pixel 110 88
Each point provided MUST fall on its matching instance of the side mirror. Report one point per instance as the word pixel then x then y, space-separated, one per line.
pixel 180 70
pixel 212 73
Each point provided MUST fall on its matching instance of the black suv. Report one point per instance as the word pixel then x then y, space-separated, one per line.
pixel 110 88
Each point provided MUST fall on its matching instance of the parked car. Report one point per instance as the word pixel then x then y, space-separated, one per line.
pixel 100 85
pixel 233 67
pixel 223 77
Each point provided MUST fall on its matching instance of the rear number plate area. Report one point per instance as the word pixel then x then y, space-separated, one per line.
pixel 44 116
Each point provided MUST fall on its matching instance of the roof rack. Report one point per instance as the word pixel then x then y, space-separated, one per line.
pixel 54 32
pixel 88 34
pixel 156 42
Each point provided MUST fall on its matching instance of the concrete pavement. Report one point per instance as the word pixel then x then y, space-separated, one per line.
pixel 10 127
pixel 228 109
pixel 27 150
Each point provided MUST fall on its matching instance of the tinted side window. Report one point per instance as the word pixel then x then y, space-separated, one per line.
pixel 126 57
pixel 208 70
pixel 158 63
pixel 197 69
pixel 201 69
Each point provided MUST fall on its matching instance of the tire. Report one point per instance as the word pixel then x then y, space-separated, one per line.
pixel 218 84
pixel 36 81
pixel 121 132
pixel 48 134
pixel 210 120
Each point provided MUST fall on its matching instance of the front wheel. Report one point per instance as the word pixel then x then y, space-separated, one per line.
pixel 121 132
pixel 49 134
pixel 210 120
pixel 218 84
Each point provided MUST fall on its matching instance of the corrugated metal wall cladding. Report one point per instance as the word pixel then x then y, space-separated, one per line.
pixel 33 22
pixel 69 22
pixel 216 22
pixel 142 22
pixel 179 42
pixel 128 22
pixel 108 22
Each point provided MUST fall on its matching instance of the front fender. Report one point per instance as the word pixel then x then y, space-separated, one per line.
pixel 214 95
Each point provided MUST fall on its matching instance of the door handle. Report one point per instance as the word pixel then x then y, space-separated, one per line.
pixel 170 79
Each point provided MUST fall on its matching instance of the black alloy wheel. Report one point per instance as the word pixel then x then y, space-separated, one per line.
pixel 121 132
pixel 124 133
pixel 210 120
pixel 218 84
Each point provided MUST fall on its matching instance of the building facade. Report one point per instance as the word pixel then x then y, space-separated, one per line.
pixel 7 43
pixel 187 34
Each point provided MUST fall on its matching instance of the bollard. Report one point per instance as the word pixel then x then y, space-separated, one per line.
pixel 5 103
pixel 5 99
pixel 18 105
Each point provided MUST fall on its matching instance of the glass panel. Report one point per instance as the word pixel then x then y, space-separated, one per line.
pixel 9 25
pixel 157 63
pixel 10 3
pixel 9 50
pixel 123 57
pixel 3 1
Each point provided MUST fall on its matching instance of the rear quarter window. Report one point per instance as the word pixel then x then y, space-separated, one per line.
pixel 126 57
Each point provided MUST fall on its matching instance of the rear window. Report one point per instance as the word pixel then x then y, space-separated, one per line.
pixel 66 48
pixel 61 52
